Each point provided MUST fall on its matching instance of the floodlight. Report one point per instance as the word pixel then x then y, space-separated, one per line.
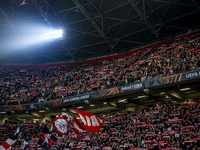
pixel 57 36
pixel 54 34
pixel 142 96
pixel 42 111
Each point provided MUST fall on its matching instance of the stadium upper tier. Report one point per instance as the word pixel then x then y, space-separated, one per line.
pixel 31 85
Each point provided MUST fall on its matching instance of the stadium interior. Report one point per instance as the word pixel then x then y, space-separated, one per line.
pixel 135 63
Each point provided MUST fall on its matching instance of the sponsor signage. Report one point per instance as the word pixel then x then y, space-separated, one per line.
pixel 131 87
pixel 78 98
pixel 192 75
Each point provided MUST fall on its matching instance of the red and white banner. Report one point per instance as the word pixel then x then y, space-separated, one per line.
pixel 7 144
pixel 60 123
pixel 78 128
pixel 92 123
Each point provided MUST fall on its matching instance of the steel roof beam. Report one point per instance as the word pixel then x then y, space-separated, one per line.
pixel 103 13
pixel 83 33
pixel 44 9
pixel 160 18
pixel 116 7
pixel 181 16
pixel 72 8
pixel 89 52
pixel 83 10
pixel 64 49
pixel 196 4
pixel 174 1
pixel 142 15
pixel 110 28
pixel 5 14
pixel 43 13
pixel 10 15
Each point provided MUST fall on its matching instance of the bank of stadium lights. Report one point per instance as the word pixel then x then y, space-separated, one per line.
pixel 54 35
pixel 142 96
pixel 80 107
pixel 42 111
pixel 92 105
pixel 123 100
pixel 185 89
pixel 86 101
pixel 162 93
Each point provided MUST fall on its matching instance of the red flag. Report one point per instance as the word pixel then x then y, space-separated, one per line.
pixel 92 123
pixel 78 127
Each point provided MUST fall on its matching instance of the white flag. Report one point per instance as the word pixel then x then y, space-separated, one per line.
pixel 68 116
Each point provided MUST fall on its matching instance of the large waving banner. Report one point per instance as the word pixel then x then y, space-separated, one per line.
pixel 92 123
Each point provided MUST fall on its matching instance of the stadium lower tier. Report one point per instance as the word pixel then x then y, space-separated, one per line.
pixel 163 127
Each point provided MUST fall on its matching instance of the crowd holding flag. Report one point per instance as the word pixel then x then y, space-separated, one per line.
pixel 10 141
pixel 47 139
pixel 92 123
pixel 22 138
pixel 7 144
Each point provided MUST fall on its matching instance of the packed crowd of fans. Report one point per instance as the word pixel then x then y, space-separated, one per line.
pixel 162 127
pixel 29 86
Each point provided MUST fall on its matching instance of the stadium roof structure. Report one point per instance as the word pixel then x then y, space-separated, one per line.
pixel 92 28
